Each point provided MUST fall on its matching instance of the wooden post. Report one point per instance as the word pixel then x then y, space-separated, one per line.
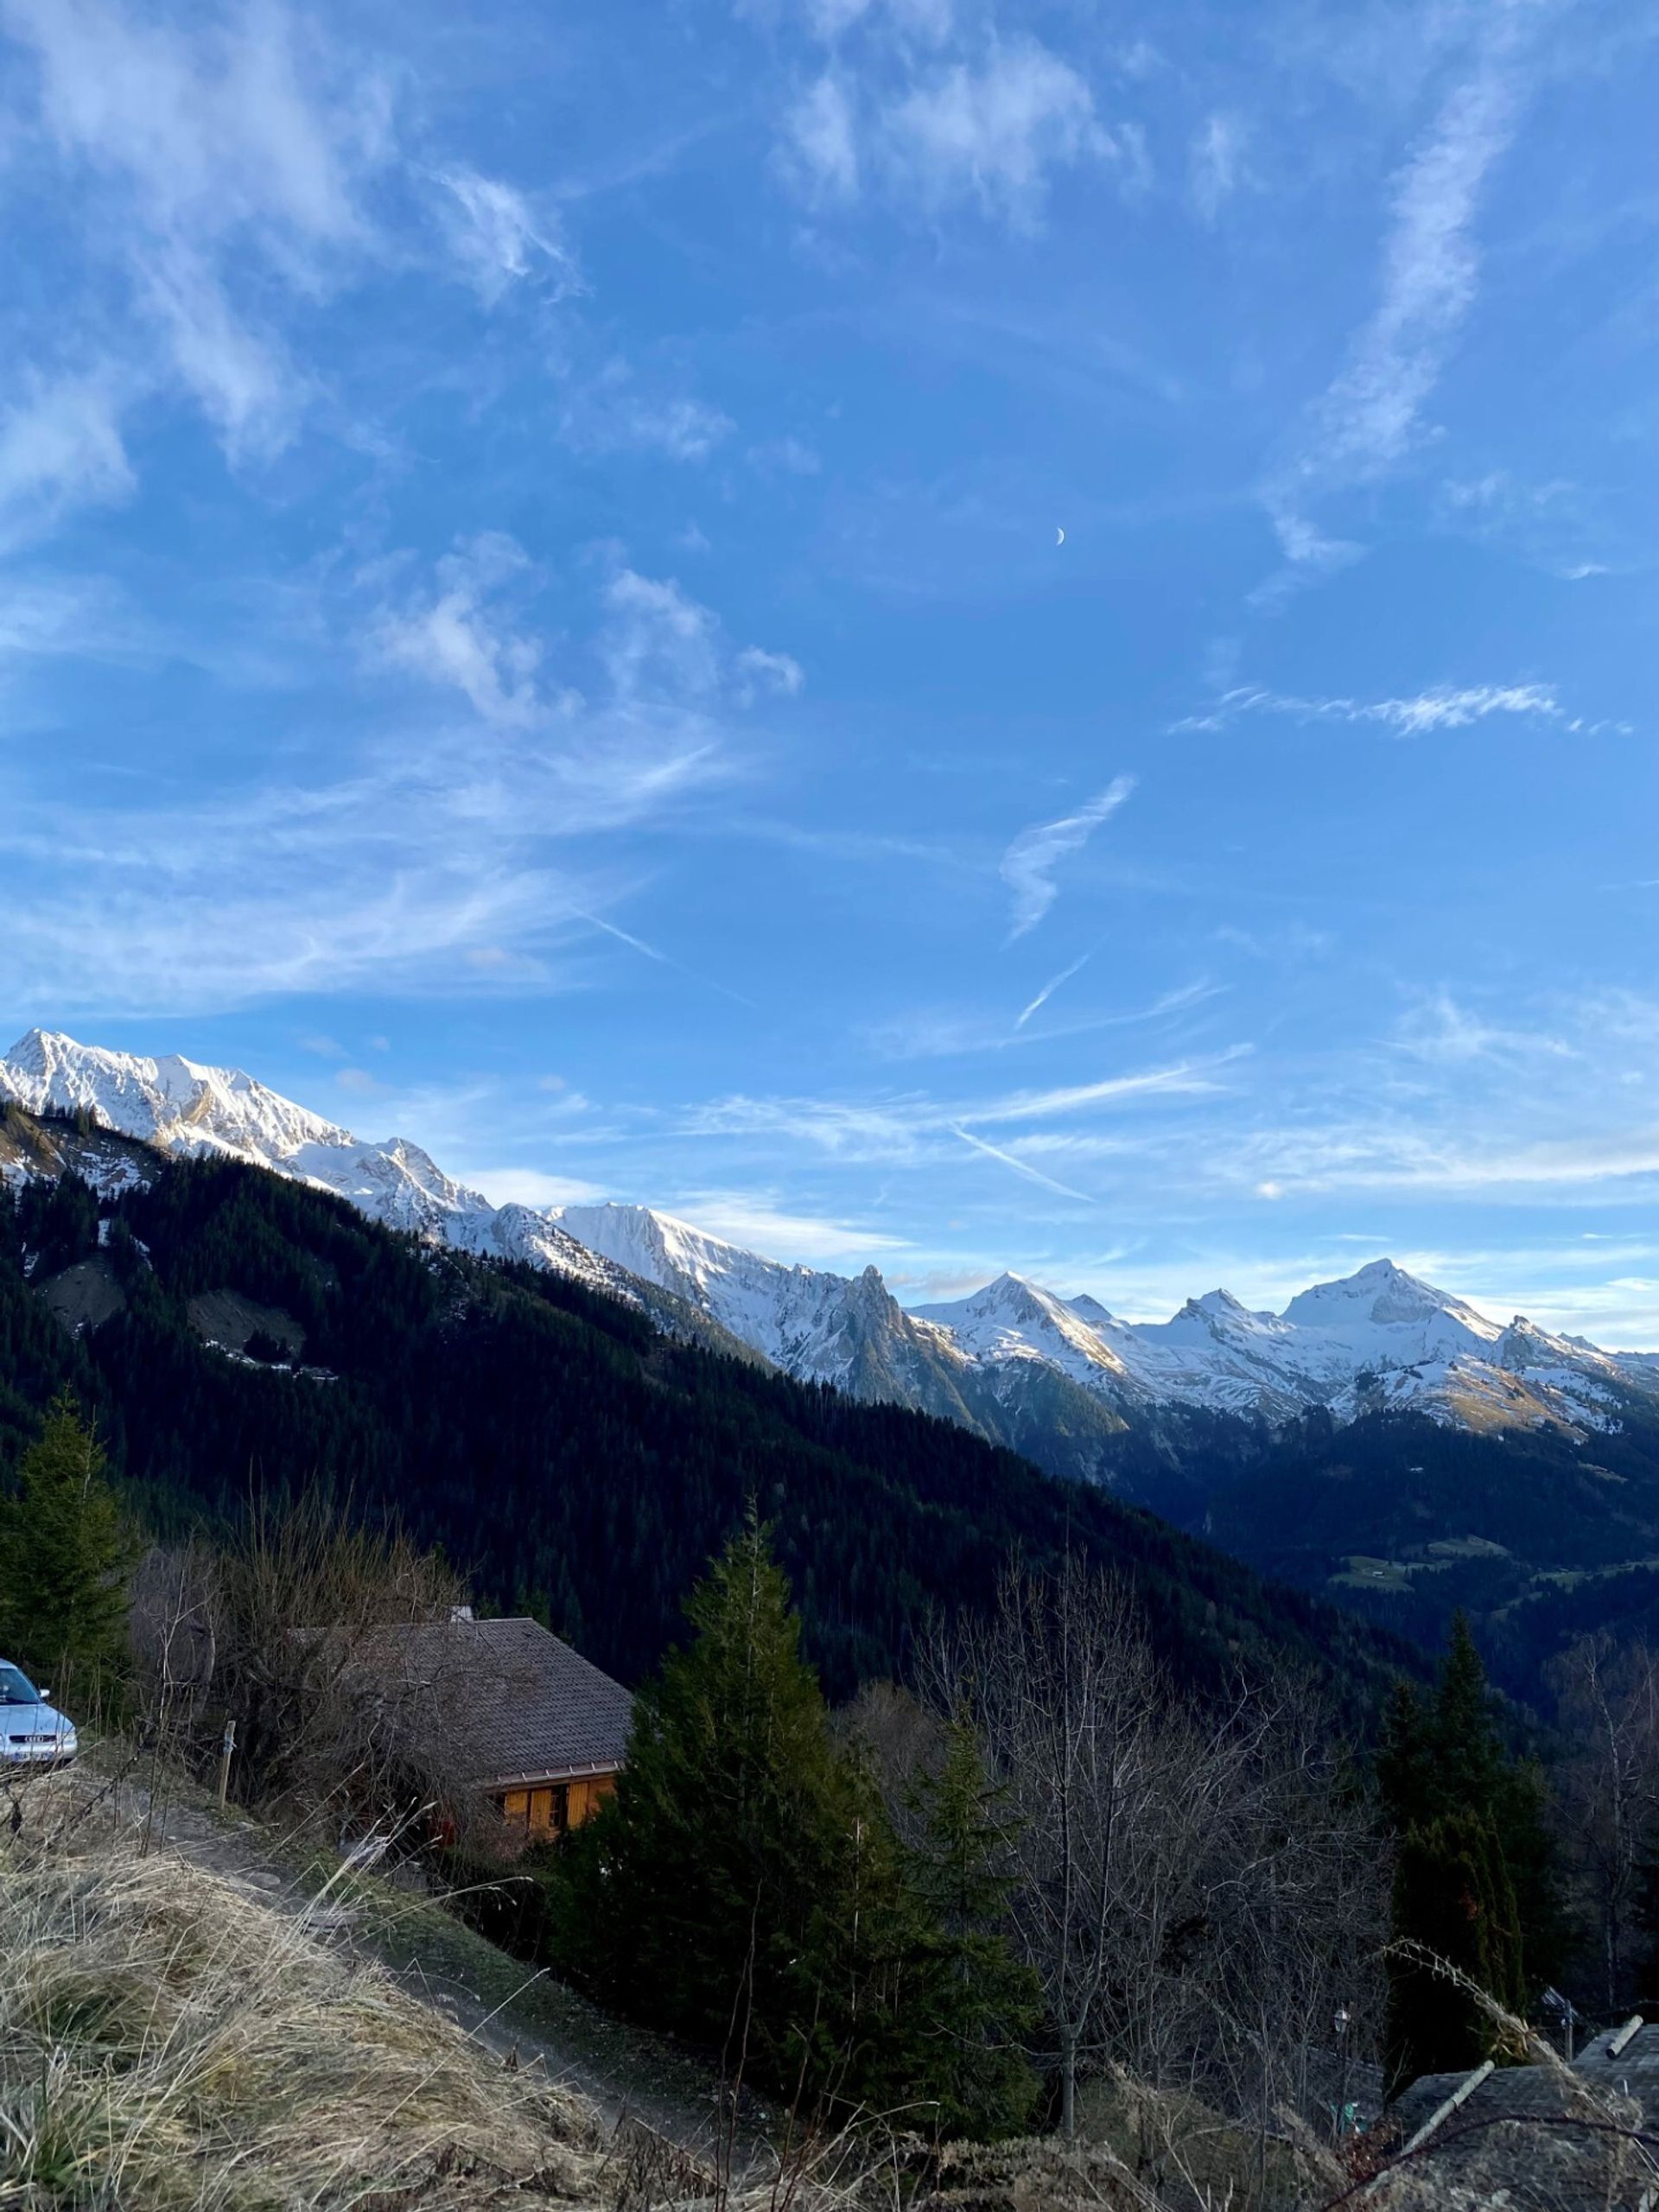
pixel 226 1747
pixel 1460 2095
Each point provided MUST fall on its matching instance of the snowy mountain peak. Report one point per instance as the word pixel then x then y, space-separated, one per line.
pixel 1382 1295
pixel 181 1107
pixel 156 1098
pixel 1377 1338
pixel 1012 1319
pixel 1219 1306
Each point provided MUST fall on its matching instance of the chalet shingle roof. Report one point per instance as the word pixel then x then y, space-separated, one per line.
pixel 1531 2139
pixel 534 1709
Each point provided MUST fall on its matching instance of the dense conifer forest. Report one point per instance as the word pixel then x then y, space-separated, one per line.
pixel 1540 1536
pixel 567 1456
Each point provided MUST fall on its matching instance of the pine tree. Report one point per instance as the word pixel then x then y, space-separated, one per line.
pixel 65 1551
pixel 978 2002
pixel 1468 1757
pixel 1453 1901
pixel 1406 1775
pixel 705 1895
pixel 745 1885
pixel 1476 1881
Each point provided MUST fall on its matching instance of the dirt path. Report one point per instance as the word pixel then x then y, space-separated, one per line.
pixel 525 2016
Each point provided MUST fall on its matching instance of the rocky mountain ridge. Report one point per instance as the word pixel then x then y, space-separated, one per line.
pixel 1055 1377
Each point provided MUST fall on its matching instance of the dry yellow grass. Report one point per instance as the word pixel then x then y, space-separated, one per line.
pixel 168 2041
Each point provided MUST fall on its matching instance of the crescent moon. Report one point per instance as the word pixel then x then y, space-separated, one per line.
pixel 1059 537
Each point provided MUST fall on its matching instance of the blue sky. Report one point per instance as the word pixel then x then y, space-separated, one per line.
pixel 531 613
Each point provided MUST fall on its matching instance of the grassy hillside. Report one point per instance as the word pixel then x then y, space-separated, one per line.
pixel 574 1460
pixel 169 2042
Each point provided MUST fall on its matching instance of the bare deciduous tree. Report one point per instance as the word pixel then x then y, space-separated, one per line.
pixel 1609 1783
pixel 338 1651
pixel 1198 1887
pixel 1073 1717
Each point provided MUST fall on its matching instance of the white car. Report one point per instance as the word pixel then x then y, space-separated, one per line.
pixel 32 1733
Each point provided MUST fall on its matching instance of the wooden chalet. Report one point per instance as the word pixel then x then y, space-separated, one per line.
pixel 557 1736
pixel 538 1729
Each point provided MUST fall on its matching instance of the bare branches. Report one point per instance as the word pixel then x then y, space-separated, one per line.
pixel 299 1631
pixel 1609 1707
pixel 1199 1888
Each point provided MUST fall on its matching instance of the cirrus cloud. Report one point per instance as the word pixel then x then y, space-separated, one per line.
pixel 1030 862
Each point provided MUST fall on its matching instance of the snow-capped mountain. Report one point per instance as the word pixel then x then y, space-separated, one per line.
pixel 828 1328
pixel 1379 1338
pixel 1053 1378
pixel 179 1107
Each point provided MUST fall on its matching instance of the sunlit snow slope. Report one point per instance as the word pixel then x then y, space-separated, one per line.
pixel 1015 1360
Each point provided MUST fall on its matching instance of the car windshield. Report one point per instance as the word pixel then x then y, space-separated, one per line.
pixel 15 1689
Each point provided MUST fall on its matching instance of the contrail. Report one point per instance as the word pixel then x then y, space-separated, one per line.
pixel 1054 985
pixel 994 1151
pixel 664 959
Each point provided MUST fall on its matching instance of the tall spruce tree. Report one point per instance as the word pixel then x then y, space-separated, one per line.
pixel 1475 1881
pixel 65 1551
pixel 1454 1904
pixel 698 1885
pixel 745 1885
pixel 976 2003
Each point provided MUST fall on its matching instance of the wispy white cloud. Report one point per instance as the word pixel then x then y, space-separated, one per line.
pixel 498 240
pixel 901 1128
pixel 663 959
pixel 821 138
pixel 995 132
pixel 1049 989
pixel 1552 525
pixel 1364 1156
pixel 81 618
pixel 451 852
pixel 760 671
pixel 937 114
pixel 1442 1029
pixel 764 1222
pixel 667 663
pixel 224 161
pixel 609 413
pixel 1029 864
pixel 658 638
pixel 1441 707
pixel 61 447
pixel 458 633
pixel 530 1186
pixel 1193 1079
pixel 1370 416
pixel 1544 1098
pixel 1216 162
pixel 934 1033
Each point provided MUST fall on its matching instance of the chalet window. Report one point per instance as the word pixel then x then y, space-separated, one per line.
pixel 538 1812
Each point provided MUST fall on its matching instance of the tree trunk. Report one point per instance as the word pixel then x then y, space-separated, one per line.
pixel 1069 2084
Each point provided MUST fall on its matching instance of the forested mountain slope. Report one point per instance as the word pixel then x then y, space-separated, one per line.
pixel 559 1447
pixel 1539 1536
